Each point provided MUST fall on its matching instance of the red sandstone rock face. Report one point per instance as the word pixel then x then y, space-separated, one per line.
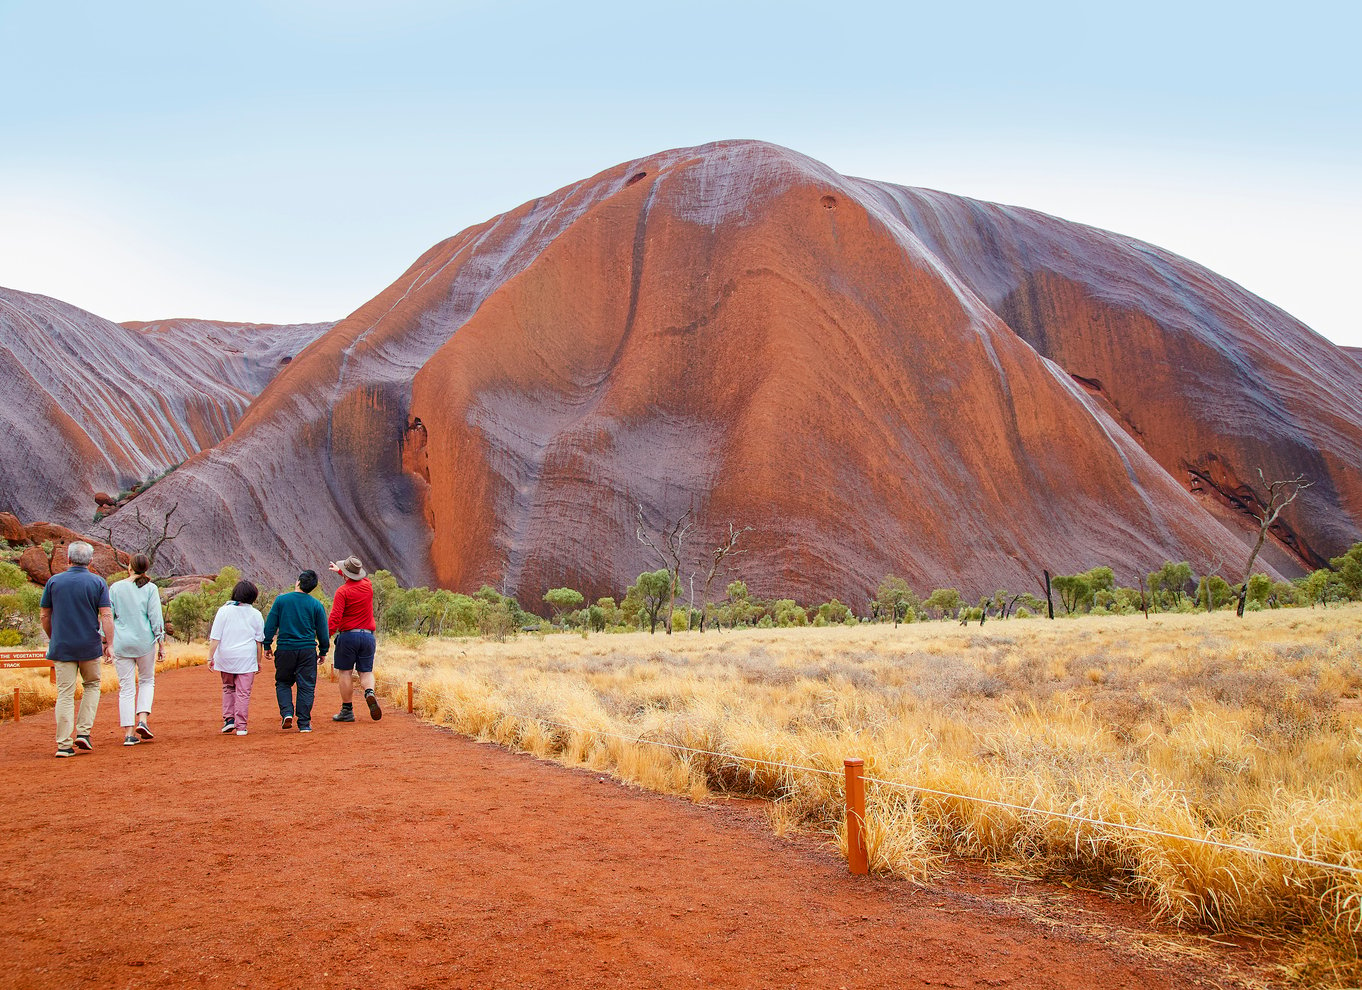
pixel 876 379
pixel 45 549
pixel 92 406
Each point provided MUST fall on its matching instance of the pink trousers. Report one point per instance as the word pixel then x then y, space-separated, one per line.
pixel 236 696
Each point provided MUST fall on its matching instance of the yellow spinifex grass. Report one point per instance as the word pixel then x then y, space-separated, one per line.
pixel 1244 731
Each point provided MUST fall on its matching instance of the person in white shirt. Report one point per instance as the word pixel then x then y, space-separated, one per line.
pixel 235 649
pixel 139 641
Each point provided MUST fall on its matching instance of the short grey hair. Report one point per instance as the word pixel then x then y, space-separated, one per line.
pixel 80 552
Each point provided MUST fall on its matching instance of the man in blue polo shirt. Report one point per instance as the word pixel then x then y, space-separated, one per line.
pixel 75 610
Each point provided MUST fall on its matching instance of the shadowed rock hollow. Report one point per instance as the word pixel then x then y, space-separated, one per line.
pixel 876 379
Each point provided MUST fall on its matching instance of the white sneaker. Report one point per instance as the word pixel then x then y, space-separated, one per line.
pixel 241 732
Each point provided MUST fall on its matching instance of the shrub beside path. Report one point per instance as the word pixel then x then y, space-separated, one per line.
pixel 395 854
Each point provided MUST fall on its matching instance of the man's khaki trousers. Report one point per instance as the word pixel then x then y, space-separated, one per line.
pixel 67 719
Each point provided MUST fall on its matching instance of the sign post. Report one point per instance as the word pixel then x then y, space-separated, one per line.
pixel 15 659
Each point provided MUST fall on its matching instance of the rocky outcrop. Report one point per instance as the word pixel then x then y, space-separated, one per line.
pixel 875 379
pixel 44 549
pixel 93 407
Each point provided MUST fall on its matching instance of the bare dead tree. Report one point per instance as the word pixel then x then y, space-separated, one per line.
pixel 1049 600
pixel 717 558
pixel 1280 494
pixel 672 539
pixel 149 541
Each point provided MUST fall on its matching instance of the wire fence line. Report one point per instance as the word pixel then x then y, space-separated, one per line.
pixel 919 789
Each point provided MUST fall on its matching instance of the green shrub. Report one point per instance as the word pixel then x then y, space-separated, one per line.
pixel 12 577
pixel 10 637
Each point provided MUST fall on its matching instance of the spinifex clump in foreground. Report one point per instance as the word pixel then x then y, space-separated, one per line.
pixel 876 379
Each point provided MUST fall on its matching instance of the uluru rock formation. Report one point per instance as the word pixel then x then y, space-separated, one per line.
pixel 94 407
pixel 874 378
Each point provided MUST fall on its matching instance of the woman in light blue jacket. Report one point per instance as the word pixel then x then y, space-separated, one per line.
pixel 139 640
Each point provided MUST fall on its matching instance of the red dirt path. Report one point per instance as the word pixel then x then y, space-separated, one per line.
pixel 395 854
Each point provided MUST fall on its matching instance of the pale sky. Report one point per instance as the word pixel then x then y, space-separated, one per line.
pixel 283 162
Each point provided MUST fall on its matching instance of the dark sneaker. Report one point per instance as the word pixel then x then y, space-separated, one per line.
pixel 83 744
pixel 131 741
pixel 374 712
pixel 344 715
pixel 143 732
pixel 304 728
pixel 288 722
pixel 228 726
pixel 65 751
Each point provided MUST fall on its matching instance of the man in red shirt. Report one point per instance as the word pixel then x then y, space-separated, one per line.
pixel 352 626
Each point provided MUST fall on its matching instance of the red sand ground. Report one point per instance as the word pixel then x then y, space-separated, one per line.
pixel 395 854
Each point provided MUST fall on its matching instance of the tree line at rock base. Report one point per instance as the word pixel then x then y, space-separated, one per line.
pixel 420 611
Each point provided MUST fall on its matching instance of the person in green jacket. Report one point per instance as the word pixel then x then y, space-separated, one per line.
pixel 299 622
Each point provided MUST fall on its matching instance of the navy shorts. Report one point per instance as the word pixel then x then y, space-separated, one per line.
pixel 354 651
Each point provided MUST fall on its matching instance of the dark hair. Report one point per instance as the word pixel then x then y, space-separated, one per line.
pixel 307 581
pixel 245 593
pixel 140 565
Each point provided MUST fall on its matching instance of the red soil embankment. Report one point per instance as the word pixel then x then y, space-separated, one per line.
pixel 394 854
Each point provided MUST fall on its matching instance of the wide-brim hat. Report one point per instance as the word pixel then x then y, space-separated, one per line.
pixel 352 568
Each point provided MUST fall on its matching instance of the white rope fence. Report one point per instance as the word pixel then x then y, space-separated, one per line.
pixel 917 789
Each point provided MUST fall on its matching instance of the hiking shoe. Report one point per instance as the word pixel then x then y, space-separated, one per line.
pixel 374 712
pixel 65 751
pixel 304 728
pixel 228 726
pixel 344 715
pixel 143 732
pixel 83 744
pixel 241 731
pixel 131 741
pixel 288 722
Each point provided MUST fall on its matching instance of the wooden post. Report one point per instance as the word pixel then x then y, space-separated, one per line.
pixel 409 698
pixel 16 704
pixel 857 859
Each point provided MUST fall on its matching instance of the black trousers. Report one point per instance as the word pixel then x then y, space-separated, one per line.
pixel 295 667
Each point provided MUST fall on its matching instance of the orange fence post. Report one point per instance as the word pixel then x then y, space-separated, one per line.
pixel 16 704
pixel 857 859
pixel 409 698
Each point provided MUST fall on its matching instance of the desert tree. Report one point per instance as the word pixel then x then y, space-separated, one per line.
pixel 1266 510
pixel 650 593
pixel 946 601
pixel 718 562
pixel 1349 568
pixel 1049 598
pixel 669 549
pixel 562 600
pixel 1172 578
pixel 148 539
pixel 895 598
pixel 1073 590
